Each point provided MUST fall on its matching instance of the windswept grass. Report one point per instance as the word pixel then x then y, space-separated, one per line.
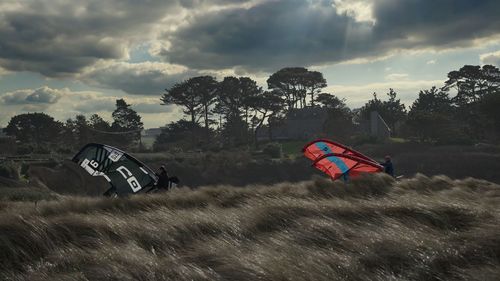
pixel 371 229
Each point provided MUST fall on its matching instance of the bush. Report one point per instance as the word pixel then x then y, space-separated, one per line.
pixel 24 149
pixel 273 150
pixel 9 170
pixel 364 139
pixel 7 145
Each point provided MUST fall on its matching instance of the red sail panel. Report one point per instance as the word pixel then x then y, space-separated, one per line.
pixel 318 148
pixel 338 160
pixel 336 165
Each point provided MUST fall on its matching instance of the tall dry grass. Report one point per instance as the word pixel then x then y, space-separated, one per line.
pixel 371 229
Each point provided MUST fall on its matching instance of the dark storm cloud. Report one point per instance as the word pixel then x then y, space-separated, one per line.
pixel 273 33
pixel 58 38
pixel 281 33
pixel 61 37
pixel 44 95
pixel 435 23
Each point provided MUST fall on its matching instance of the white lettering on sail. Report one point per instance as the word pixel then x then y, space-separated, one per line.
pixel 132 181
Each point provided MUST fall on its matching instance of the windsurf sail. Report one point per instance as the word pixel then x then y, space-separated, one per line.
pixel 125 173
pixel 338 160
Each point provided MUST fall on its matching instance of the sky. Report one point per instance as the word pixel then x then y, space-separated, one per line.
pixel 64 57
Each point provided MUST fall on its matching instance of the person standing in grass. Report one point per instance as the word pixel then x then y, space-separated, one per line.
pixel 162 179
pixel 388 166
pixel 164 182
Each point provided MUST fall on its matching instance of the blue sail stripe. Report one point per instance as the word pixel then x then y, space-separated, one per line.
pixel 335 160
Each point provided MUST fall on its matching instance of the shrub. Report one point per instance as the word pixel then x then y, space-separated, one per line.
pixel 364 139
pixel 9 170
pixel 273 150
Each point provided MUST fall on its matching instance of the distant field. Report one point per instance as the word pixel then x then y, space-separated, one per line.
pixel 148 141
pixel 240 167
pixel 374 228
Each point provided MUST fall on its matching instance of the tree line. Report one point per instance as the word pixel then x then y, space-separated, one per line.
pixel 41 133
pixel 232 111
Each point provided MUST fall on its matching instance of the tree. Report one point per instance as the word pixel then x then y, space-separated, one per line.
pixel 206 87
pixel 431 115
pixel 186 95
pixel 374 104
pixel 249 89
pixel 127 121
pixel 314 83
pixel 229 96
pixel 97 123
pixel 235 131
pixel 392 110
pixel 183 134
pixel 80 130
pixel 196 95
pixel 339 116
pixel 331 101
pixel 68 137
pixel 489 106
pixel 37 129
pixel 265 105
pixel 294 83
pixel 472 82
pixel 233 96
pixel 100 129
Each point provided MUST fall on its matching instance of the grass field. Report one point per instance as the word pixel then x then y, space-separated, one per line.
pixel 373 228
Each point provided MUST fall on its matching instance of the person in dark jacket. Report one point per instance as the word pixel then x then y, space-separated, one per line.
pixel 163 181
pixel 388 167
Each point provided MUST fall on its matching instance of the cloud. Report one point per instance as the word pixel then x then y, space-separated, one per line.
pixel 98 104
pixel 3 71
pixel 358 95
pixel 492 58
pixel 43 95
pixel 396 76
pixel 92 40
pixel 431 62
pixel 360 10
pixel 152 107
pixel 409 24
pixel 65 38
pixel 5 116
pixel 274 34
pixel 65 103
pixel 146 78
pixel 267 36
pixel 62 37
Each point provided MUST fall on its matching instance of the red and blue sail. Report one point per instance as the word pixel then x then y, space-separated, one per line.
pixel 338 160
